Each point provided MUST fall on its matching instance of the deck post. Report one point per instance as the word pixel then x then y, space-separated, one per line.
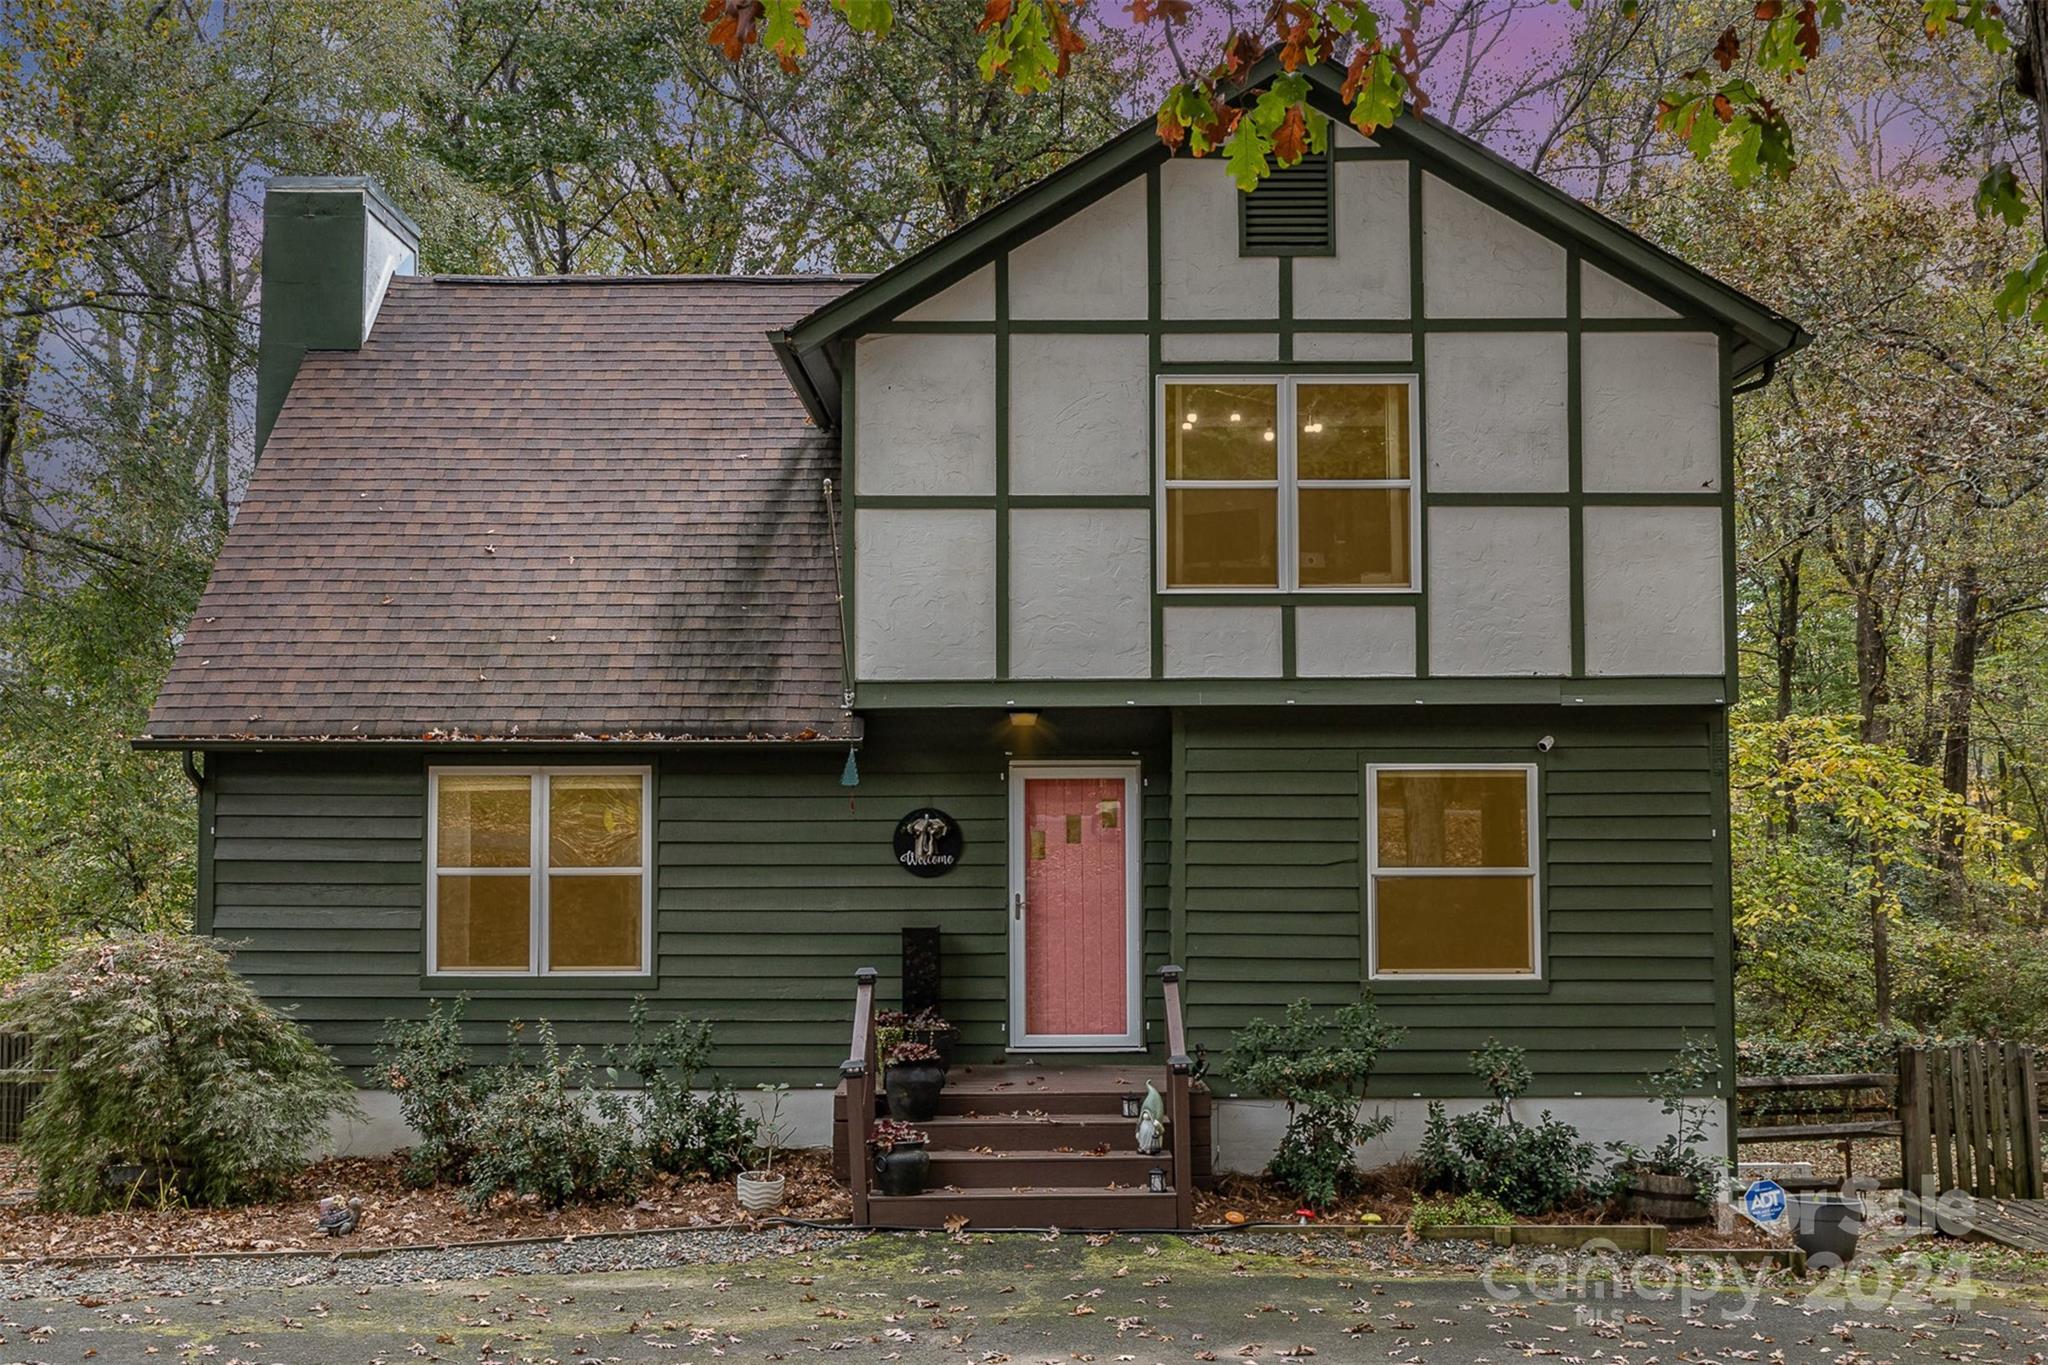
pixel 1180 1071
pixel 858 1071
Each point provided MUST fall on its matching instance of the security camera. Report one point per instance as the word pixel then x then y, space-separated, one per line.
pixel 1545 744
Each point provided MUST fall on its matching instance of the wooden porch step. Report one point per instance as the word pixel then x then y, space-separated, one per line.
pixel 1065 1170
pixel 1022 1132
pixel 1047 1206
pixel 1081 1090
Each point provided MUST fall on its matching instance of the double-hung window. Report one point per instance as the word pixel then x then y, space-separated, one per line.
pixel 1288 484
pixel 539 871
pixel 1451 869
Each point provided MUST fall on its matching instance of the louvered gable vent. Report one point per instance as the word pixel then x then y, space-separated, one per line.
pixel 1289 213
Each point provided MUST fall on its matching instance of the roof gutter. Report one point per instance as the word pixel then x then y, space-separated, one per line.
pixel 846 732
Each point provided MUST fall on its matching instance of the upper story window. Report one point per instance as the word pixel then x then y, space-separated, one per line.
pixel 1288 484
pixel 1451 870
pixel 539 871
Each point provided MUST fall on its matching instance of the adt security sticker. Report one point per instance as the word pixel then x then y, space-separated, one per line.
pixel 1764 1202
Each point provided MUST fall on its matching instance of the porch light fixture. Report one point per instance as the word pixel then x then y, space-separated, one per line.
pixel 1024 720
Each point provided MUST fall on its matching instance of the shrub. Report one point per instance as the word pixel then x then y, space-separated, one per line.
pixel 681 1132
pixel 1530 1169
pixel 548 1132
pixel 1320 1070
pixel 161 1055
pixel 1459 1211
pixel 439 1092
pixel 1694 1072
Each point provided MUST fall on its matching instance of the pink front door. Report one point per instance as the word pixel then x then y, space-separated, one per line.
pixel 1074 920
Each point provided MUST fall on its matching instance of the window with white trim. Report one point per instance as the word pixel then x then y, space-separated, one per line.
pixel 539 871
pixel 1298 484
pixel 1451 869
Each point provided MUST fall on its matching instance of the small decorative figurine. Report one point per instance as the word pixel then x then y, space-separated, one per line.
pixel 339 1217
pixel 1152 1121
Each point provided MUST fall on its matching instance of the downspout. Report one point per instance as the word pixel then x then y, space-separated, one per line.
pixel 192 773
pixel 1770 370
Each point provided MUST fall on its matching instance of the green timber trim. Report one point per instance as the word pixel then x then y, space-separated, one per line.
pixel 1446 153
pixel 1631 810
pixel 1002 460
pixel 876 695
pixel 849 472
pixel 1730 641
pixel 1154 289
pixel 1417 338
pixel 1575 441
pixel 1571 500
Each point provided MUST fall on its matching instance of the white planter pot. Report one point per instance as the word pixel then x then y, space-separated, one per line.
pixel 759 1193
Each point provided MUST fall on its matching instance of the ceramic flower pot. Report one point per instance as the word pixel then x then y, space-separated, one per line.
pixel 913 1089
pixel 759 1192
pixel 903 1169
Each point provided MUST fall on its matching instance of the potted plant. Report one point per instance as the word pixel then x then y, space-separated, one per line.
pixel 1669 1184
pixel 901 1161
pixel 761 1190
pixel 929 1026
pixel 915 1077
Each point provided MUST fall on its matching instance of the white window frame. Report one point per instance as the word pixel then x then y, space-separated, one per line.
pixel 1287 483
pixel 1373 871
pixel 538 870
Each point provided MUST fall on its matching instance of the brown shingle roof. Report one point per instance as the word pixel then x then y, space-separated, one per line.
pixel 532 509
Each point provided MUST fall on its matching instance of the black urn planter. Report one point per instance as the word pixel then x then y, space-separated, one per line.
pixel 913 1089
pixel 1825 1227
pixel 903 1168
pixel 942 1042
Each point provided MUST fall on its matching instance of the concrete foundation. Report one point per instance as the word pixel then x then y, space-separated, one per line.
pixel 1247 1131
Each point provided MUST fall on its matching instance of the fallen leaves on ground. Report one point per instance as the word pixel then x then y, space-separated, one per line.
pixel 392 1214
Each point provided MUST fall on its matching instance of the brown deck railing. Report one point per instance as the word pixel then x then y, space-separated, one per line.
pixel 1180 1075
pixel 858 1071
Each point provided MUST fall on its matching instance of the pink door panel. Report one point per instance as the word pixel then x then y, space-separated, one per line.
pixel 1076 968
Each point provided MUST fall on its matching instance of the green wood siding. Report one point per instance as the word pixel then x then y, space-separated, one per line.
pixel 773 883
pixel 1632 823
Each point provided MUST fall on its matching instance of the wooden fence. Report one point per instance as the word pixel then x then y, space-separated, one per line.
pixel 18 1086
pixel 1966 1118
pixel 1971 1117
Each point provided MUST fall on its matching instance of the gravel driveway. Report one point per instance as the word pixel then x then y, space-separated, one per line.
pixel 688 1298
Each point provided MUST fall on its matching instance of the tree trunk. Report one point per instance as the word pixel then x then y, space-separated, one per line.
pixel 1880 947
pixel 1785 655
pixel 1873 665
pixel 1961 699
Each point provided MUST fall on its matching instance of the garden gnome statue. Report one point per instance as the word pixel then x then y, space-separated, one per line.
pixel 1152 1121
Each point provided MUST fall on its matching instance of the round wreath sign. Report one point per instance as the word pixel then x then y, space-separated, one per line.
pixel 928 842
